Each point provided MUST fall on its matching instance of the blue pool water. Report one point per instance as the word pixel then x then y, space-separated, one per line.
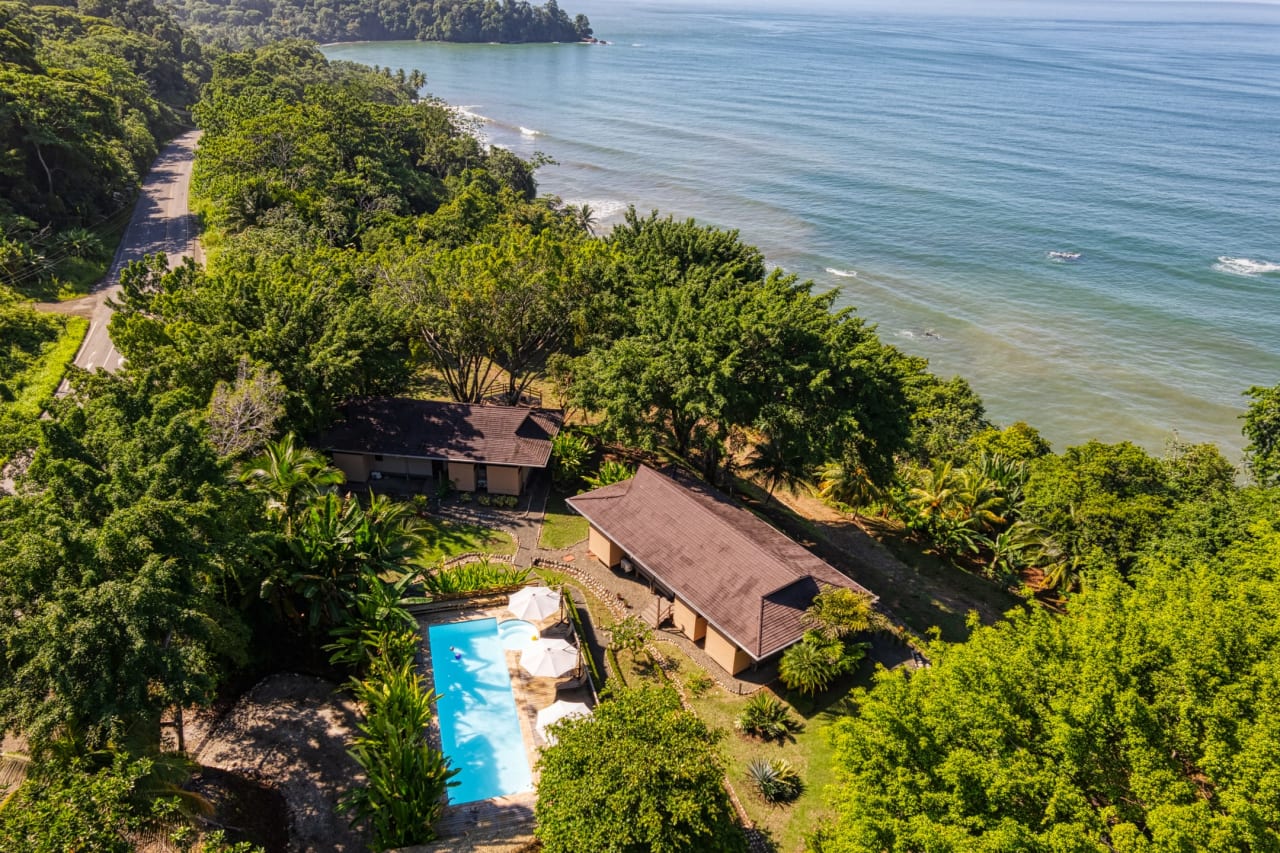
pixel 517 633
pixel 479 727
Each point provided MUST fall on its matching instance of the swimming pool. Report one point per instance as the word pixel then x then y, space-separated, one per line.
pixel 479 725
pixel 517 634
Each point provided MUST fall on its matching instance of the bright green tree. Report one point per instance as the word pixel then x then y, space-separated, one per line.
pixel 1262 429
pixel 641 773
pixel 1139 721
pixel 119 563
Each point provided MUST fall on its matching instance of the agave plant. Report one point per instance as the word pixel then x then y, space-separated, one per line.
pixel 766 718
pixel 776 781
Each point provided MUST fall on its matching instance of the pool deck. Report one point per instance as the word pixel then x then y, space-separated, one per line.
pixel 501 816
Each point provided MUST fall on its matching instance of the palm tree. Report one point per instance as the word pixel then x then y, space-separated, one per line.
pixel 395 536
pixel 290 476
pixel 811 664
pixel 778 463
pixel 981 503
pixel 847 483
pixel 935 494
pixel 839 612
pixel 585 217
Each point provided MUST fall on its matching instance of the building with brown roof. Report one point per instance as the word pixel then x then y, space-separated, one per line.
pixel 478 447
pixel 737 584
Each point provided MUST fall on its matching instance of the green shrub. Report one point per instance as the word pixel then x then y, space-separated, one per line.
pixel 569 455
pixel 480 576
pixel 41 381
pixel 483 500
pixel 576 618
pixel 611 471
pixel 775 781
pixel 767 718
pixel 813 663
pixel 405 778
pixel 443 488
pixel 464 497
pixel 698 683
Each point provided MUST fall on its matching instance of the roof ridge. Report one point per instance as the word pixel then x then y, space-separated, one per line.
pixel 733 529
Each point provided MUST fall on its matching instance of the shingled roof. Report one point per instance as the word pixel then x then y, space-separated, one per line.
pixel 455 432
pixel 745 577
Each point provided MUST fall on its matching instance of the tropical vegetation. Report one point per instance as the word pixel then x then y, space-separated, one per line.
pixel 169 530
pixel 344 20
pixel 641 773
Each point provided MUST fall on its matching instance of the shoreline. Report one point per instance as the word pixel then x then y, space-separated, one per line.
pixel 1139 338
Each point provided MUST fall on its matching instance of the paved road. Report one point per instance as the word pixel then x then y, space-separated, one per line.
pixel 161 222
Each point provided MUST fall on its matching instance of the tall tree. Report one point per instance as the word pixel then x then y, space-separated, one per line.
pixel 641 773
pixel 504 307
pixel 1262 429
pixel 1139 721
pixel 118 560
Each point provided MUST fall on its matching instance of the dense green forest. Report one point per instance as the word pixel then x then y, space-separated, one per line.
pixel 88 94
pixel 247 22
pixel 172 534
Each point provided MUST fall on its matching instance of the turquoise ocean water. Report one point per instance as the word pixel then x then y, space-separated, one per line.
pixel 928 163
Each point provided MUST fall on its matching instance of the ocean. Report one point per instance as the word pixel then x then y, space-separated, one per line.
pixel 1076 208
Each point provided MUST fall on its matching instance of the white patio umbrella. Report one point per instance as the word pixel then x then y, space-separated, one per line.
pixel 557 712
pixel 534 603
pixel 549 658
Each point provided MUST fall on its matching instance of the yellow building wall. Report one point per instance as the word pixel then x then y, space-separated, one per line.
pixel 605 551
pixel 463 475
pixel 503 480
pixel 731 659
pixel 355 466
pixel 397 465
pixel 418 467
pixel 690 624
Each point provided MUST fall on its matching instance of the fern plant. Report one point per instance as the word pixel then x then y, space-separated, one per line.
pixel 611 471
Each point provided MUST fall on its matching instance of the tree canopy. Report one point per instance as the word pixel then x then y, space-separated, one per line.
pixel 641 773
pixel 706 347
pixel 119 559
pixel 509 21
pixel 1140 721
pixel 85 98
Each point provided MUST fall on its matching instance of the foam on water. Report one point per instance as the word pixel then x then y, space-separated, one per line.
pixel 469 111
pixel 1245 266
pixel 528 131
pixel 602 209
pixel 938 157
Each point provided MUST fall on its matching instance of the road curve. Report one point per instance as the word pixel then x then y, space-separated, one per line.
pixel 162 222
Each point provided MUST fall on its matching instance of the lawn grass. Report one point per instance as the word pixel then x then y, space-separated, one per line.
pixel 36 385
pixel 809 751
pixel 562 528
pixel 447 539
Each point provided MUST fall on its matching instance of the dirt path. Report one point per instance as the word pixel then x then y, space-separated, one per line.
pixel 924 594
pixel 291 732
